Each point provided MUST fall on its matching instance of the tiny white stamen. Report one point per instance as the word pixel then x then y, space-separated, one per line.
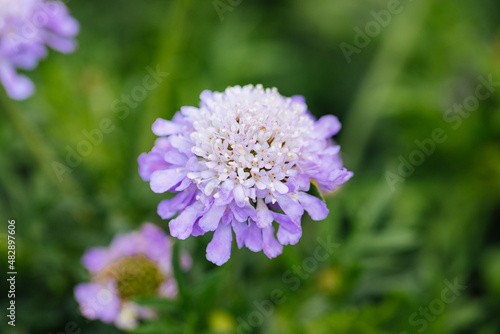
pixel 244 136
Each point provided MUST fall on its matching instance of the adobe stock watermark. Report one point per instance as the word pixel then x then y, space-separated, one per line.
pixel 293 278
pixel 436 307
pixel 454 117
pixel 222 6
pixel 373 28
pixel 121 108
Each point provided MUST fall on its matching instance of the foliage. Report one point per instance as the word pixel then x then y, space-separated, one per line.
pixel 400 237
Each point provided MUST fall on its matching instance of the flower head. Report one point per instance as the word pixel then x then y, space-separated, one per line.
pixel 240 162
pixel 27 27
pixel 137 264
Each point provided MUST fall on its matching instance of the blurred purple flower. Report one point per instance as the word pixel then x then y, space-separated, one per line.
pixel 241 161
pixel 27 27
pixel 137 264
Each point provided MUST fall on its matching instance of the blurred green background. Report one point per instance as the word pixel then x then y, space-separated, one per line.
pixel 403 236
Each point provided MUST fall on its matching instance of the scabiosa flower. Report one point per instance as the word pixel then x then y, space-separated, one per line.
pixel 137 264
pixel 26 28
pixel 243 160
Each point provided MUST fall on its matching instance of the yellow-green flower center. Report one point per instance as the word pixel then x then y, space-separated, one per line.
pixel 135 276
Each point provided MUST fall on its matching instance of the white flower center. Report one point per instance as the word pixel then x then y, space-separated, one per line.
pixel 250 135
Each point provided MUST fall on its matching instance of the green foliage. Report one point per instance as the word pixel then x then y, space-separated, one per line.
pixel 403 228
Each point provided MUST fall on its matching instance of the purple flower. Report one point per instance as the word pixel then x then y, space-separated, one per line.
pixel 243 162
pixel 27 27
pixel 136 264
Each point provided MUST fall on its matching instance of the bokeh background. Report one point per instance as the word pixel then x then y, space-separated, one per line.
pixel 403 236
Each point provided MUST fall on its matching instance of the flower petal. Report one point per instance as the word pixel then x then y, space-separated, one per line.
pixel 98 301
pixel 149 163
pixel 18 87
pixel 280 187
pixel 164 180
pixel 210 220
pixel 340 176
pixel 95 259
pixel 315 207
pixel 182 226
pixel 124 245
pixel 242 213
pixel 169 207
pixel 219 249
pixel 61 44
pixel 264 216
pixel 162 127
pixel 291 207
pixel 197 230
pixel 326 127
pixel 239 195
pixel 240 231
pixel 175 158
pixel 253 240
pixel 298 99
pixel 63 24
pixel 289 233
pixel 181 143
pixel 270 245
pixel 154 242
